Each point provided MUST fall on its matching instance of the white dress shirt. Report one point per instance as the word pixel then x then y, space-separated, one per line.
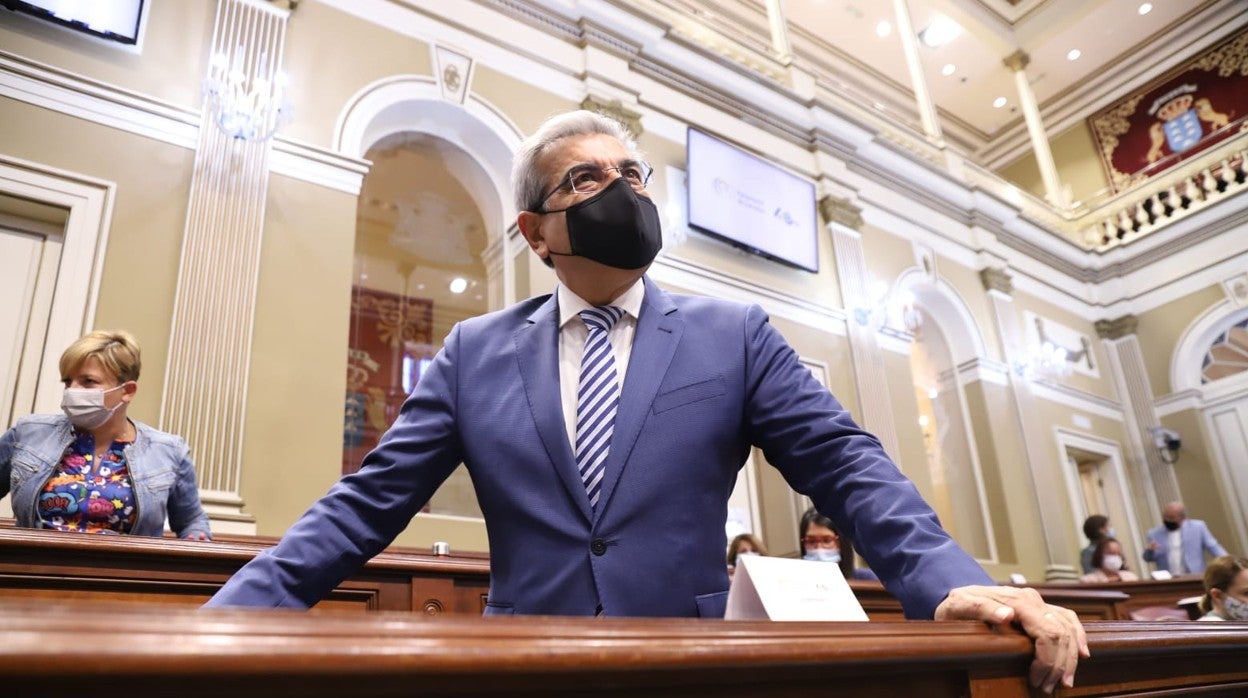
pixel 572 336
pixel 1175 553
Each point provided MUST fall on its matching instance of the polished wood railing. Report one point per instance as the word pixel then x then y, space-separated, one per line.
pixel 54 565
pixel 64 648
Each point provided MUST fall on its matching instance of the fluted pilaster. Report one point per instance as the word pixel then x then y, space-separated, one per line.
pixel 210 343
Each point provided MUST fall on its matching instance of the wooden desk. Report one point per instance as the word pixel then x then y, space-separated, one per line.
pixel 190 653
pixel 56 565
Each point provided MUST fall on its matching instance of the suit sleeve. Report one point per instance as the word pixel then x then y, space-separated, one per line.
pixel 823 454
pixel 1210 543
pixel 364 511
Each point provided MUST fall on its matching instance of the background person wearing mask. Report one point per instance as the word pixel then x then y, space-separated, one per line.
pixel 92 469
pixel 820 541
pixel 1108 565
pixel 1095 527
pixel 611 413
pixel 1179 544
pixel 1226 590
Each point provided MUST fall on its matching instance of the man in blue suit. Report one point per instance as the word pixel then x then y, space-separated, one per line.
pixel 604 425
pixel 1179 544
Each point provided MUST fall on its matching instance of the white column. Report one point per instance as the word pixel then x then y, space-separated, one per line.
pixel 1153 477
pixel 210 344
pixel 1047 485
pixel 779 30
pixel 870 374
pixel 1017 62
pixel 910 46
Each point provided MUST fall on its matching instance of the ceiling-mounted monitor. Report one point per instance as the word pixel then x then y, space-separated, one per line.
pixel 751 203
pixel 116 21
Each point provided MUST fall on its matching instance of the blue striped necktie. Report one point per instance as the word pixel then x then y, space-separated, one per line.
pixel 597 396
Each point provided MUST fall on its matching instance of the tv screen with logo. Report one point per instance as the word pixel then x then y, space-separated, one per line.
pixel 751 203
pixel 110 20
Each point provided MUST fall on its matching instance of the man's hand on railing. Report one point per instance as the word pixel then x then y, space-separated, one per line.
pixel 1060 639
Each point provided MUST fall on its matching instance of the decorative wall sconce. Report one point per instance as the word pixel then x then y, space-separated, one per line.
pixel 1044 360
pixel 246 104
pixel 1167 443
pixel 876 309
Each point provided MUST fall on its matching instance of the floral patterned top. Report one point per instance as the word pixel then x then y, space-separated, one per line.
pixel 89 497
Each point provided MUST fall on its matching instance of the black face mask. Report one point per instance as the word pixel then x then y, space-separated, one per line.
pixel 1172 525
pixel 616 227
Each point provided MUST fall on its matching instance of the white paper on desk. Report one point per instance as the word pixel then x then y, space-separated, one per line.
pixel 780 588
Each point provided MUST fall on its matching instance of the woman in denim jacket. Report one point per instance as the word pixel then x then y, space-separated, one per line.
pixel 92 469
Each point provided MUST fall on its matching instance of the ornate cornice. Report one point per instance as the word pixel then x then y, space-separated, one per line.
pixel 1118 328
pixel 1017 61
pixel 616 110
pixel 997 280
pixel 838 210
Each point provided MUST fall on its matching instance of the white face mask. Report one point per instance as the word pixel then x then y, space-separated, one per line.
pixel 1235 609
pixel 1112 562
pixel 746 552
pixel 822 555
pixel 85 406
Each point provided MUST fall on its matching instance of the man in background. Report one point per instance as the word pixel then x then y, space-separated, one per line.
pixel 1179 544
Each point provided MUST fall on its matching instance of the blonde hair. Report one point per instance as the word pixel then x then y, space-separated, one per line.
pixel 116 350
pixel 1219 575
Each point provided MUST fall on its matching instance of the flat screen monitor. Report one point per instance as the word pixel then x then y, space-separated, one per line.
pixel 110 20
pixel 751 203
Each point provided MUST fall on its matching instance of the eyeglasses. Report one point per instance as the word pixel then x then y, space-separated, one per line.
pixel 819 541
pixel 591 179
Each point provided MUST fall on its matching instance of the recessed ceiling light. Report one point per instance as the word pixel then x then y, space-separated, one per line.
pixel 458 284
pixel 999 102
pixel 883 29
pixel 941 31
pixel 1145 8
pixel 1073 54
pixel 948 70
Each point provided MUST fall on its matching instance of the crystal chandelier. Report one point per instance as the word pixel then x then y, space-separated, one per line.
pixel 248 107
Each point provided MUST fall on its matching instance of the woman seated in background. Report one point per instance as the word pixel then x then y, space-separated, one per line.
pixel 820 541
pixel 1108 565
pixel 1226 589
pixel 92 469
pixel 744 544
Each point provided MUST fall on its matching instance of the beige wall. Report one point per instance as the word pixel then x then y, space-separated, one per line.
pixel 1078 165
pixel 1159 331
pixel 152 182
pixel 331 56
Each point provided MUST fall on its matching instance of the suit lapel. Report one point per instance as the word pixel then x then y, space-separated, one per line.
pixel 658 333
pixel 537 353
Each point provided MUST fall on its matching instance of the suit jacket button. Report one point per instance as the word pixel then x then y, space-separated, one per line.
pixel 598 547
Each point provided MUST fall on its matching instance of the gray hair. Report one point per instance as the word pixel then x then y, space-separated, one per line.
pixel 528 180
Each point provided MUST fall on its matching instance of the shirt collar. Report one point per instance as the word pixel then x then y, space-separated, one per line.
pixel 571 304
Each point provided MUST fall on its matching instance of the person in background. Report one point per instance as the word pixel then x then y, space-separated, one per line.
pixel 1226 589
pixel 1095 527
pixel 820 541
pixel 1108 565
pixel 744 544
pixel 1178 546
pixel 610 413
pixel 93 469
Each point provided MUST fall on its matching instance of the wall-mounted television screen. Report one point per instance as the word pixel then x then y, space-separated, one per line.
pixel 111 20
pixel 751 203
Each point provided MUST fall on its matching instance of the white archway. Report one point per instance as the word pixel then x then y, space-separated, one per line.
pixel 414 103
